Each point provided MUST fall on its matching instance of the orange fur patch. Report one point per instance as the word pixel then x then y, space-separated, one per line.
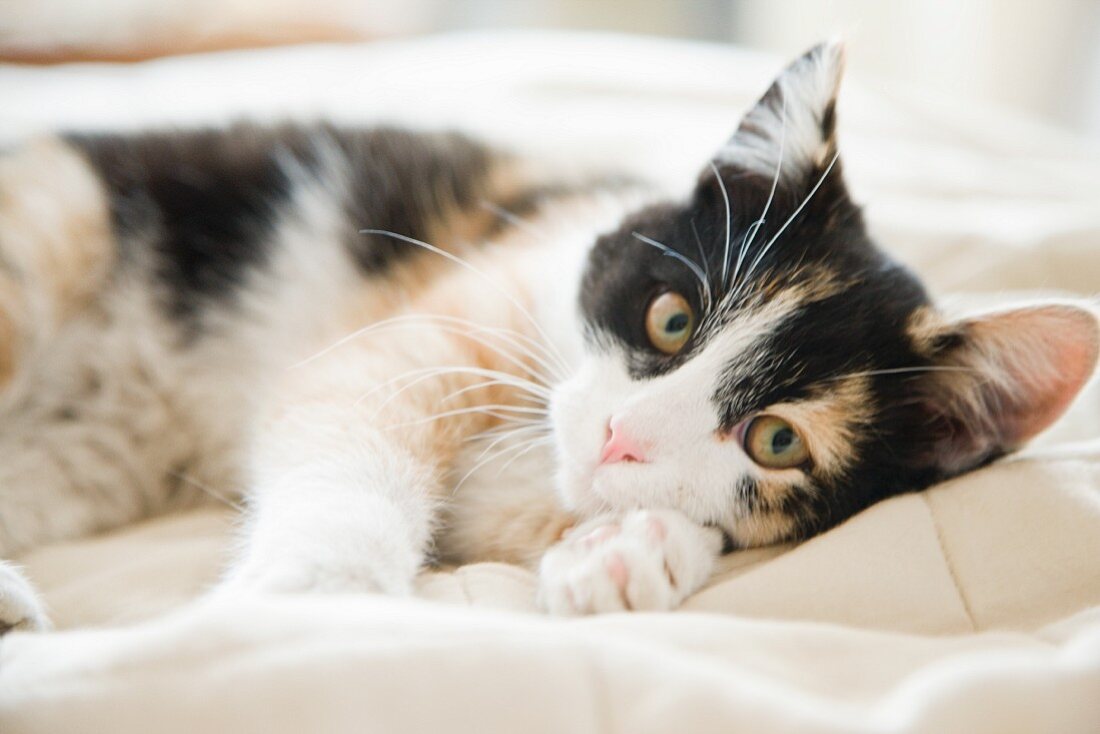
pixel 56 242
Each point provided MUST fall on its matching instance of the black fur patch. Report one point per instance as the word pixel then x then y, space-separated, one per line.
pixel 202 202
pixel 205 203
pixel 403 182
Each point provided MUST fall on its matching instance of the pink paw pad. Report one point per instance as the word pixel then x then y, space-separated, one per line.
pixel 599 535
pixel 657 529
pixel 617 570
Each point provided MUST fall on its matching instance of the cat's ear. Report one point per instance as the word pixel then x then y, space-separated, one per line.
pixel 792 128
pixel 1002 378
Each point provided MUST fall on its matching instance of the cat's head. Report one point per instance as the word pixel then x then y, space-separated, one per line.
pixel 753 360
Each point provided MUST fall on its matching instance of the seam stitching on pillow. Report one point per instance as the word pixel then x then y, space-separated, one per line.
pixel 947 562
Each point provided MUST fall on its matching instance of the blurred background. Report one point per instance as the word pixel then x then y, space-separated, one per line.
pixel 1039 58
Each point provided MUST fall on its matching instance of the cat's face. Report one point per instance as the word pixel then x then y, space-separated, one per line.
pixel 753 360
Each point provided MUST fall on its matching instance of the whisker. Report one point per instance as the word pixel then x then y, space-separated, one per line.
pixel 729 222
pixel 750 234
pixel 514 220
pixel 428 373
pixel 485 385
pixel 669 252
pixel 908 370
pixel 514 433
pixel 514 421
pixel 531 445
pixel 483 462
pixel 491 410
pixel 208 490
pixel 520 341
pixel 764 250
pixel 436 372
pixel 490 281
pixel 549 373
pixel 702 251
pixel 474 334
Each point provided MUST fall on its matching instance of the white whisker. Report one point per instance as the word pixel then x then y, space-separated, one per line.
pixel 702 251
pixel 221 497
pixel 908 370
pixel 668 251
pixel 729 222
pixel 487 384
pixel 484 276
pixel 513 433
pixel 495 410
pixel 500 453
pixel 750 234
pixel 529 445
pixel 520 341
pixel 428 373
pixel 514 220
pixel 764 250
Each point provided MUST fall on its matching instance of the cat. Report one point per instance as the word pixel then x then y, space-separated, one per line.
pixel 404 347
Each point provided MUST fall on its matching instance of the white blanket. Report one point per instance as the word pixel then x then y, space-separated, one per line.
pixel 972 607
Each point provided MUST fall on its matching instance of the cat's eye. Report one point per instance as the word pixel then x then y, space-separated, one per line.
pixel 669 321
pixel 773 443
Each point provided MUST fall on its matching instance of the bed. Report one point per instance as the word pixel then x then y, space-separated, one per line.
pixel 972 607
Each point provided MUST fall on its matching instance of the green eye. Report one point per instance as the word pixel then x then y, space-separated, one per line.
pixel 669 321
pixel 773 443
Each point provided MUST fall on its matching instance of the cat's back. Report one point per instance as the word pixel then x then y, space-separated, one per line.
pixel 208 211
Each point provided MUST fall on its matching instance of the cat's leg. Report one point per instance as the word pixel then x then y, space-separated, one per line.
pixel 508 511
pixel 647 560
pixel 502 505
pixel 335 504
pixel 346 468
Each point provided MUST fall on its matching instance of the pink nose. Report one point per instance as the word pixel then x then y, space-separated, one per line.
pixel 620 447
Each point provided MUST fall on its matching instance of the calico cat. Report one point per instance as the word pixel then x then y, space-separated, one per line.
pixel 399 346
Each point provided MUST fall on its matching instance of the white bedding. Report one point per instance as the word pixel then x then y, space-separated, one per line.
pixel 972 607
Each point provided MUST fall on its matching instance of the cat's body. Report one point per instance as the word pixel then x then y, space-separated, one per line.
pixel 142 375
pixel 360 332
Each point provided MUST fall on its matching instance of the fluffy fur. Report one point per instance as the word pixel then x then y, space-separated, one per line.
pixel 394 346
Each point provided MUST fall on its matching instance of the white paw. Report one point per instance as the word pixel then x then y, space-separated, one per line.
pixel 650 560
pixel 20 607
pixel 301 576
pixel 312 565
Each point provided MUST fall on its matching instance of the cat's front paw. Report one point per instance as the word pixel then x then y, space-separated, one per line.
pixel 20 607
pixel 302 576
pixel 283 572
pixel 649 560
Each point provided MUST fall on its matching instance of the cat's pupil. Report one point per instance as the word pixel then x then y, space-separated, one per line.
pixel 782 440
pixel 676 323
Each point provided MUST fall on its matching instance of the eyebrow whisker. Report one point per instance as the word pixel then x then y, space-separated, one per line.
pixel 668 251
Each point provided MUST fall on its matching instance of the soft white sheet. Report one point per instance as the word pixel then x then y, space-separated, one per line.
pixel 972 607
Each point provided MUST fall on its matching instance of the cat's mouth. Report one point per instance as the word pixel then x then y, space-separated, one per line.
pixel 613 482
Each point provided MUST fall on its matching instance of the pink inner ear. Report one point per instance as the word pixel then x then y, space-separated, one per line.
pixel 1045 355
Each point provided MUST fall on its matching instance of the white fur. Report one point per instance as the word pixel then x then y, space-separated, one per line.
pixel 793 123
pixel 20 607
pixel 649 560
